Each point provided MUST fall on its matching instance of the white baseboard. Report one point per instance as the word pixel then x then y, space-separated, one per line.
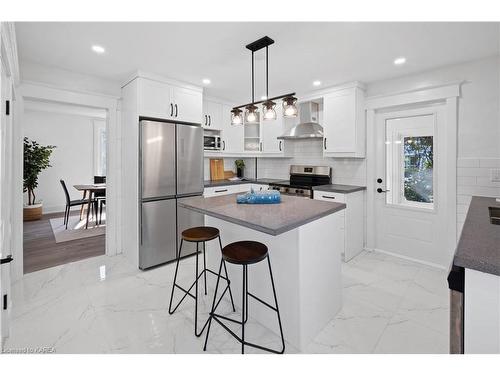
pixel 430 264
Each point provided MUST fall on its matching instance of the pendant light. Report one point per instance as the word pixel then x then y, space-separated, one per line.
pixel 290 107
pixel 251 114
pixel 236 116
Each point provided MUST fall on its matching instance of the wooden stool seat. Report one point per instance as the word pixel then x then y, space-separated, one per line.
pixel 200 234
pixel 244 252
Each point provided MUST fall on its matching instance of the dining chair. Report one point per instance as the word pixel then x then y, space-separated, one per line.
pixel 70 203
pixel 100 196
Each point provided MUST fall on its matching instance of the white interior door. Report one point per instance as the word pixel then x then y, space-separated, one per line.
pixel 410 204
pixel 6 200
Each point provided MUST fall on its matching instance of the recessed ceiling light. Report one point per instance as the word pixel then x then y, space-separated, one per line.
pixel 316 83
pixel 263 97
pixel 206 81
pixel 98 49
pixel 400 61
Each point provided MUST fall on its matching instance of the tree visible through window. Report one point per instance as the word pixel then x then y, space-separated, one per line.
pixel 418 167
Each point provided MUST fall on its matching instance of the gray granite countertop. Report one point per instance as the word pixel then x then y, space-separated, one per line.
pixel 210 183
pixel 338 188
pixel 479 244
pixel 273 219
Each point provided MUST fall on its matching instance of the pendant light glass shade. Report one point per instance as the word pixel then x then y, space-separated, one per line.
pixel 289 107
pixel 236 116
pixel 269 113
pixel 251 114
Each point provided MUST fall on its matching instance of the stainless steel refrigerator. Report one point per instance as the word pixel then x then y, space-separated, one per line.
pixel 170 167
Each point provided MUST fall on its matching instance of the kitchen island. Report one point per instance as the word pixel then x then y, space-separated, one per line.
pixel 304 240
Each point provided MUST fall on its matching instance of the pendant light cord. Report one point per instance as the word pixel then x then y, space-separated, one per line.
pixel 267 73
pixel 253 98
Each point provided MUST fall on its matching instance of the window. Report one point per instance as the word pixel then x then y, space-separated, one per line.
pixel 410 161
pixel 100 148
pixel 418 167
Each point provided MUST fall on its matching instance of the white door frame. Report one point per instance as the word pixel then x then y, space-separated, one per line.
pixel 48 93
pixel 447 95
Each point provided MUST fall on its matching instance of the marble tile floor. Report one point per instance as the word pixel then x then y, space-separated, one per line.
pixel 390 306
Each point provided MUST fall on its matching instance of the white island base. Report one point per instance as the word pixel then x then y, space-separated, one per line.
pixel 306 268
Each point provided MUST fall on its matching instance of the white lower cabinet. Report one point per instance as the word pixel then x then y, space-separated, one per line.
pixel 351 220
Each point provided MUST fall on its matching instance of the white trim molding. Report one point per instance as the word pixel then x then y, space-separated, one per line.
pixel 8 52
pixel 444 94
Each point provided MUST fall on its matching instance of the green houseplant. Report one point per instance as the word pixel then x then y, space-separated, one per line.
pixel 36 159
pixel 240 166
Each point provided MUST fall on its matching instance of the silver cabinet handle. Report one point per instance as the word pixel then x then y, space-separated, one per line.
pixel 324 143
pixel 206 120
pixel 326 196
pixel 209 120
pixel 171 109
pixel 220 191
pixel 223 145
pixel 280 146
pixel 176 110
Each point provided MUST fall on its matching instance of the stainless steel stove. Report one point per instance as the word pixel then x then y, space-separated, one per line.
pixel 302 180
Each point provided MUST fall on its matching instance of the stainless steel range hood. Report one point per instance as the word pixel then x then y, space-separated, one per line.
pixel 308 127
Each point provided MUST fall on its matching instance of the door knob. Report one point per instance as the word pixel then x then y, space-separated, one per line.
pixel 380 190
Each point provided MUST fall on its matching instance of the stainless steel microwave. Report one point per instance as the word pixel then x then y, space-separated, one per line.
pixel 211 142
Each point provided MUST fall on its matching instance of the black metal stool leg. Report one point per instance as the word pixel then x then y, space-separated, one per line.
pixel 212 310
pixel 196 296
pixel 276 304
pixel 227 278
pixel 170 311
pixel 243 299
pixel 205 267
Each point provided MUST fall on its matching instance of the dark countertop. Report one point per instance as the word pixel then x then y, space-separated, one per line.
pixel 210 183
pixel 479 244
pixel 273 219
pixel 338 188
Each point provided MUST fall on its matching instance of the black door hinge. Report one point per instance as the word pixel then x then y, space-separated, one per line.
pixel 7 107
pixel 7 259
pixel 4 302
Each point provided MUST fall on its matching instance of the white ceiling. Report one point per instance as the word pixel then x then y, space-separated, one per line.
pixel 331 52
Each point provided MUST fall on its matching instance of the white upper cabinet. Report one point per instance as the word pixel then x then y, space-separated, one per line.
pixel 154 99
pixel 344 123
pixel 270 130
pixel 187 104
pixel 212 115
pixel 170 102
pixel 232 135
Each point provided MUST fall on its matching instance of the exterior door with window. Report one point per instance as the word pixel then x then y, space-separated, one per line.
pixel 410 204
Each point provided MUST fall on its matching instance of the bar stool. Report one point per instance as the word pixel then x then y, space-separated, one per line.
pixel 199 234
pixel 244 253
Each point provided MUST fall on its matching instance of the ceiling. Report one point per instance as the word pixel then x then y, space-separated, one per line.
pixel 333 52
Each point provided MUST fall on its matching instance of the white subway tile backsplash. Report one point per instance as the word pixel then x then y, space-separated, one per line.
pixel 466 180
pixel 467 163
pixel 489 163
pixel 473 172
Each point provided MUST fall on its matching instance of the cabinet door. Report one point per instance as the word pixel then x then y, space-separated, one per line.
pixel 339 121
pixel 188 105
pixel 212 116
pixel 232 135
pixel 270 130
pixel 155 99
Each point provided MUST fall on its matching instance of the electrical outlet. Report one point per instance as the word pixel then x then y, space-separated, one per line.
pixel 495 175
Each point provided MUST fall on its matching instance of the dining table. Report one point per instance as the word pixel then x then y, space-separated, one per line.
pixel 89 189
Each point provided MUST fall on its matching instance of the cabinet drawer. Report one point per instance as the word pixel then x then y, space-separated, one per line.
pixel 328 196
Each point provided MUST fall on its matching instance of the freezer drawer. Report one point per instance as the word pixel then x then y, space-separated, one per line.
pixel 157 159
pixel 188 219
pixel 158 233
pixel 189 160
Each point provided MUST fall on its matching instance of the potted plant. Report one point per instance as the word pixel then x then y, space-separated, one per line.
pixel 240 166
pixel 36 159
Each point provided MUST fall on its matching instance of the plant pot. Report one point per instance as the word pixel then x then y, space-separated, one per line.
pixel 239 172
pixel 32 212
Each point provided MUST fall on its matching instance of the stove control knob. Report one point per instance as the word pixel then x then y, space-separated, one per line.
pixel 301 191
pixel 287 190
pixel 297 191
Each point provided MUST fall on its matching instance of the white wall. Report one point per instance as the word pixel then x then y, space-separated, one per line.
pixel 65 79
pixel 478 123
pixel 72 160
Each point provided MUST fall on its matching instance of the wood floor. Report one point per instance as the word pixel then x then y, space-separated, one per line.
pixel 41 250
